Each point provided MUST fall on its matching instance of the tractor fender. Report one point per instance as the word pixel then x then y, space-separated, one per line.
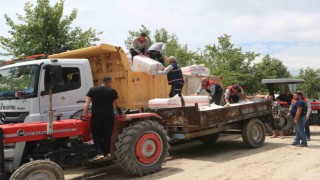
pixel 130 117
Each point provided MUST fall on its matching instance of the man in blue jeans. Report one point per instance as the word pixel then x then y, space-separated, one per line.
pixel 299 112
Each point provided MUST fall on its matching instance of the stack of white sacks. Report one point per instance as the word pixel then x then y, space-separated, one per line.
pixel 161 103
pixel 196 70
pixel 144 64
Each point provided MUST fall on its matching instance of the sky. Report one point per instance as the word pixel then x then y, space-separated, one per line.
pixel 284 29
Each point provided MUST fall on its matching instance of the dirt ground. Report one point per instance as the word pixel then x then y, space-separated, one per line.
pixel 227 159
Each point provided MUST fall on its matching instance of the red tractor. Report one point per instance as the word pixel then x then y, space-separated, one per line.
pixel 286 122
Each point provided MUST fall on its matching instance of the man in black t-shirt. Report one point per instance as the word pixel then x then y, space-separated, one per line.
pixel 103 98
pixel 286 97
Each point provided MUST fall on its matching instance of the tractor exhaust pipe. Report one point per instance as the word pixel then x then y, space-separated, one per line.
pixel 50 114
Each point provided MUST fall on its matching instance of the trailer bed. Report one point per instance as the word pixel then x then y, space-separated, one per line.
pixel 190 122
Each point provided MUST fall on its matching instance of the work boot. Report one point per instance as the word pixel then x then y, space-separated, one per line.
pixel 295 143
pixel 98 157
pixel 302 145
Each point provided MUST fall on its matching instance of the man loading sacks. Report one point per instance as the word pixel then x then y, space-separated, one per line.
pixel 214 89
pixel 175 78
pixel 233 94
pixel 139 46
pixel 155 51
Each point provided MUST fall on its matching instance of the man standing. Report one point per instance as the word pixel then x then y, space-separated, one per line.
pixel 276 112
pixel 232 94
pixel 103 98
pixel 307 126
pixel 215 90
pixel 139 45
pixel 175 78
pixel 156 50
pixel 299 112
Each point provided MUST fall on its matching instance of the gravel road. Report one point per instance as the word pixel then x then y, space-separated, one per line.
pixel 227 159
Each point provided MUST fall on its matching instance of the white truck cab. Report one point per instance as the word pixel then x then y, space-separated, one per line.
pixel 24 89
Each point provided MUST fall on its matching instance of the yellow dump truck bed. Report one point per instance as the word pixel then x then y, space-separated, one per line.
pixel 135 89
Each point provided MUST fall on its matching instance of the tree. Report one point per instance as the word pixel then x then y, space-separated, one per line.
pixel 183 54
pixel 233 65
pixel 44 30
pixel 311 87
pixel 269 68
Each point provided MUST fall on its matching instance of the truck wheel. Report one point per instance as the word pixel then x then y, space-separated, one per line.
pixel 253 134
pixel 209 139
pixel 142 147
pixel 39 169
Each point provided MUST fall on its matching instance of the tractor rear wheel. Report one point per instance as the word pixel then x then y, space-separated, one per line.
pixel 39 169
pixel 142 147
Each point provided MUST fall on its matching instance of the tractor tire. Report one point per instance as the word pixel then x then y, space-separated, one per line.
pixel 142 148
pixel 209 139
pixel 286 124
pixel 253 133
pixel 39 169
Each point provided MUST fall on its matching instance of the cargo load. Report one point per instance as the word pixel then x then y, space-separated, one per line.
pixel 161 103
pixel 196 70
pixel 144 64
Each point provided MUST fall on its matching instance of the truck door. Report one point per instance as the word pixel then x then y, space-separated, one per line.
pixel 68 94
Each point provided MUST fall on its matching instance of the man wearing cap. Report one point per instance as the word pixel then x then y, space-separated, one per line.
pixel 175 78
pixel 103 98
pixel 140 45
pixel 155 51
pixel 233 94
pixel 214 89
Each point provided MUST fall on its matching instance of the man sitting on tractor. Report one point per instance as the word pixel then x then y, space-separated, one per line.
pixel 286 97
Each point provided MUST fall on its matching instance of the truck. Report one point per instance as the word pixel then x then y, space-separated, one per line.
pixel 141 137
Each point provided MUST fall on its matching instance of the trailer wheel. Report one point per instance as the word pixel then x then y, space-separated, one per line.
pixel 253 133
pixel 142 147
pixel 39 169
pixel 209 139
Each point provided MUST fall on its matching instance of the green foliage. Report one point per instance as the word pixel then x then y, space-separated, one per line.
pixel 233 65
pixel 223 59
pixel 312 86
pixel 43 29
pixel 183 54
pixel 269 68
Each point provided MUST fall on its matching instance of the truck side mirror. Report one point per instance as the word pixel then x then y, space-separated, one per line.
pixel 55 77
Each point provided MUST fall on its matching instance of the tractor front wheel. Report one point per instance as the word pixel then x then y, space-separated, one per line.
pixel 39 169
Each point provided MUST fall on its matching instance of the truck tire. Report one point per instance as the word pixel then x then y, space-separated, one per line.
pixel 253 133
pixel 142 148
pixel 39 169
pixel 209 139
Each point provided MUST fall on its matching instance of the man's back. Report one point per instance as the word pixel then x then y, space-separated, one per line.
pixel 102 99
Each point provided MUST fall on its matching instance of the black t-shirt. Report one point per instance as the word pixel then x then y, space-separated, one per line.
pixel 283 97
pixel 102 99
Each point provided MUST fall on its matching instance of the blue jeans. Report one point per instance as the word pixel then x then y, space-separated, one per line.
pixel 300 132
